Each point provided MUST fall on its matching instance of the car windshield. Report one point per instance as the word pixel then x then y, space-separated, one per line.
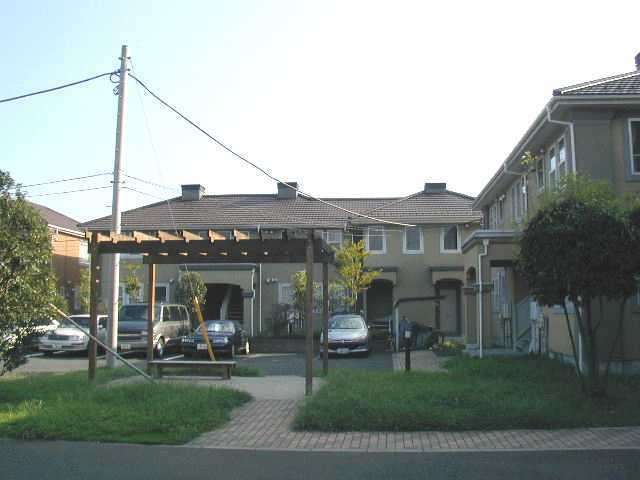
pixel 218 327
pixel 135 313
pixel 347 323
pixel 83 321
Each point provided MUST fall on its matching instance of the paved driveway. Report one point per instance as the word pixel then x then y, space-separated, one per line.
pixel 293 363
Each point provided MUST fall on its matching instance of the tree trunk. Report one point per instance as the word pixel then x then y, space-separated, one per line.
pixel 573 348
pixel 595 387
pixel 623 304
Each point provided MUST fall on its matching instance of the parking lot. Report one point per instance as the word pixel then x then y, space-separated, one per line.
pixel 267 363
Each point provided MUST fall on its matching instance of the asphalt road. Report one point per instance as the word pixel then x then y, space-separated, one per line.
pixel 293 363
pixel 71 460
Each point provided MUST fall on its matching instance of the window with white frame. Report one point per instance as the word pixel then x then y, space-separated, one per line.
pixel 562 158
pixel 376 240
pixel 413 240
pixel 333 237
pixel 450 239
pixel 634 144
pixel 518 200
pixel 285 294
pixel 540 174
pixel 501 210
pixel 553 176
pixel 493 216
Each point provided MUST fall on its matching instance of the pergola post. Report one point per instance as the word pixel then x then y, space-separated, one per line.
pixel 308 315
pixel 151 307
pixel 94 283
pixel 325 317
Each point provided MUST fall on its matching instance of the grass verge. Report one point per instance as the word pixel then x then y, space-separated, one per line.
pixel 65 407
pixel 475 394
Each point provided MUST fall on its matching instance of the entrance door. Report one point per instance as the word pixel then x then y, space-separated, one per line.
pixel 449 309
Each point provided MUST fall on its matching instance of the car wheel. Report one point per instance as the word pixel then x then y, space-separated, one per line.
pixel 159 351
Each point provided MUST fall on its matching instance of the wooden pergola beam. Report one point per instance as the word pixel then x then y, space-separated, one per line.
pixel 143 237
pixel 166 236
pixel 190 236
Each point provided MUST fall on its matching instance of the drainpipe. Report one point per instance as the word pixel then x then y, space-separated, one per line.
pixel 253 290
pixel 485 243
pixel 572 134
pixel 259 298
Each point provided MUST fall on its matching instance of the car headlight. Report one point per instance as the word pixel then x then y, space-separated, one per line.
pixel 187 340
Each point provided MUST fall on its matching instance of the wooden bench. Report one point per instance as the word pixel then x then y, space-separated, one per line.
pixel 157 366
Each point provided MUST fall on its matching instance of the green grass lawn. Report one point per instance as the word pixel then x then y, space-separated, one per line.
pixel 475 394
pixel 64 406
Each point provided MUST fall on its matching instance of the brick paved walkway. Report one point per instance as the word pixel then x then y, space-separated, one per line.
pixel 265 424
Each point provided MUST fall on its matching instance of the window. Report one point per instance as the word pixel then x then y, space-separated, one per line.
pixel 285 294
pixel 332 237
pixel 376 241
pixel 162 292
pixel 450 239
pixel 413 240
pixel 552 167
pixel 634 140
pixel 500 218
pixel 493 216
pixel 540 174
pixel 562 158
pixel 518 200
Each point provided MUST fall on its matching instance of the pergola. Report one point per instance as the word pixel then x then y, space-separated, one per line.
pixel 188 247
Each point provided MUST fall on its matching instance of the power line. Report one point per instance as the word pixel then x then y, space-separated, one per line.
pixel 252 164
pixel 39 92
pixel 158 185
pixel 63 180
pixel 68 191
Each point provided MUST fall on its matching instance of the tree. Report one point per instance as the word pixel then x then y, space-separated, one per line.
pixel 191 285
pixel 352 274
pixel 578 247
pixel 84 289
pixel 337 299
pixel 27 283
pixel 132 284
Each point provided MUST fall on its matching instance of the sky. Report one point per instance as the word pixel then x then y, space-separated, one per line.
pixel 349 98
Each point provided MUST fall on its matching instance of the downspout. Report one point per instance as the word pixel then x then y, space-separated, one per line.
pixel 259 298
pixel 571 132
pixel 253 272
pixel 485 243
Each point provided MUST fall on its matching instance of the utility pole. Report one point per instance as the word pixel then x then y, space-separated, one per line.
pixel 112 330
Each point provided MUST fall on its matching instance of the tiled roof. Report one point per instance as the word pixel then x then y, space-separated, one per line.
pixel 625 84
pixel 54 218
pixel 269 211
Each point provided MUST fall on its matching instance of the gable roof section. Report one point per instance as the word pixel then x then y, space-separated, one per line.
pixel 56 219
pixel 625 84
pixel 269 211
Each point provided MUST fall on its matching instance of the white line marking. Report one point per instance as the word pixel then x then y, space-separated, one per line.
pixel 174 357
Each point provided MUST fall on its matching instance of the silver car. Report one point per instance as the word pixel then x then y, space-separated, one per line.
pixel 347 334
pixel 68 338
pixel 171 322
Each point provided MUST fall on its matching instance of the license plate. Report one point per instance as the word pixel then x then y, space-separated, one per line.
pixel 202 346
pixel 125 346
pixel 342 351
